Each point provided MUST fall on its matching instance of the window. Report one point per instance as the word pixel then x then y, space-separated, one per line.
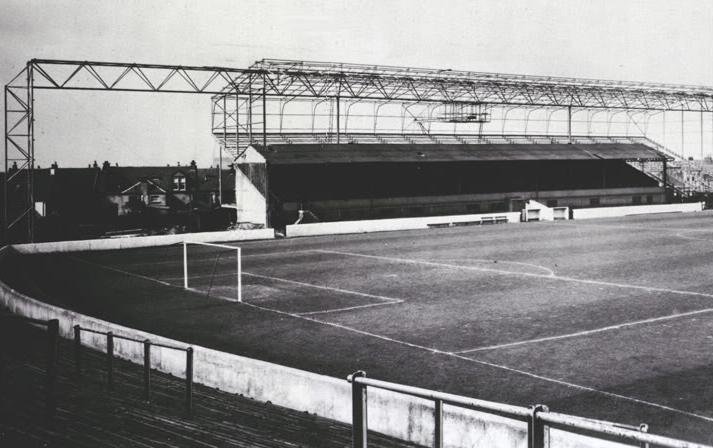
pixel 649 199
pixel 594 201
pixel 179 182
pixel 636 199
pixel 155 199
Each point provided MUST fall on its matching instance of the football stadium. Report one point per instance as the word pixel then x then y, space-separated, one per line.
pixel 430 257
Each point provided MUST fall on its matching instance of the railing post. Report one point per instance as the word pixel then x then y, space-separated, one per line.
pixel 644 428
pixel 78 350
pixel 185 264
pixel 438 424
pixel 110 360
pixel 189 381
pixel 52 344
pixel 4 354
pixel 536 428
pixel 147 370
pixel 359 416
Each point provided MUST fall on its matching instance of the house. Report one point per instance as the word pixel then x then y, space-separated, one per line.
pixel 134 190
pixel 96 200
pixel 164 190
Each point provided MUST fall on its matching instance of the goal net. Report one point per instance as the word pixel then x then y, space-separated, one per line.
pixel 213 269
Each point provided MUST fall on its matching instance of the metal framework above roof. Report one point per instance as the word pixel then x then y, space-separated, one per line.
pixel 285 78
pixel 259 94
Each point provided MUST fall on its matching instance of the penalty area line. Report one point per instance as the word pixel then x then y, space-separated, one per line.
pixel 486 363
pixel 384 300
pixel 326 288
pixel 587 332
pixel 348 308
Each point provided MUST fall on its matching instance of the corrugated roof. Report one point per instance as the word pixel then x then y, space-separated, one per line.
pixel 369 153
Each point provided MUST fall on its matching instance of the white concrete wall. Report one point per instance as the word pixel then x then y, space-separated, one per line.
pixel 144 241
pixel 610 212
pixel 383 225
pixel 251 204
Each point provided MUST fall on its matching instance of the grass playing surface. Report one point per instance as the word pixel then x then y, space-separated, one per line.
pixel 609 319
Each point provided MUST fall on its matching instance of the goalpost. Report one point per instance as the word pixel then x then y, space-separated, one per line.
pixel 218 250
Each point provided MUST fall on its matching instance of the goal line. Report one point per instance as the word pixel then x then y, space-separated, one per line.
pixel 219 249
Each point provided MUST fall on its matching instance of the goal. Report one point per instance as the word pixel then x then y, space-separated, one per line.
pixel 208 267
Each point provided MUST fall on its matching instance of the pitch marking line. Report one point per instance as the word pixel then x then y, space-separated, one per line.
pixel 524 274
pixel 692 238
pixel 121 271
pixel 549 271
pixel 587 332
pixel 429 349
pixel 384 299
pixel 638 227
pixel 680 231
pixel 327 288
pixel 211 257
pixel 348 308
pixel 489 364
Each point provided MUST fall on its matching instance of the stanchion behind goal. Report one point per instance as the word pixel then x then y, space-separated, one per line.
pixel 218 250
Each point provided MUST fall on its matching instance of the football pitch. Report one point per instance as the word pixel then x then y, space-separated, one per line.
pixel 608 318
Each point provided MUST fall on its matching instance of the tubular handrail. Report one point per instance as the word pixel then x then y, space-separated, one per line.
pixel 147 344
pixel 516 412
pixel 538 417
pixel 609 429
pixel 126 338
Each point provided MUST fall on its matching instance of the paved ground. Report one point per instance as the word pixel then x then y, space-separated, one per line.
pixel 88 415
pixel 603 318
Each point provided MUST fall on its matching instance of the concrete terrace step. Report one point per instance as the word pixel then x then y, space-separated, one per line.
pixel 89 415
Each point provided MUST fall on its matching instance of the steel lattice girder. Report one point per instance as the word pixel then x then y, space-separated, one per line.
pixel 300 79
pixel 377 83
pixel 19 153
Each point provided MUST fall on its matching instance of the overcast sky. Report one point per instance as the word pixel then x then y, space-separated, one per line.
pixel 652 40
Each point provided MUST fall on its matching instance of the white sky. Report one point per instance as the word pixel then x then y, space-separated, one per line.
pixel 652 40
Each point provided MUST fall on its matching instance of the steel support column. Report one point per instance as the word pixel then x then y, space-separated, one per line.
pixel 337 100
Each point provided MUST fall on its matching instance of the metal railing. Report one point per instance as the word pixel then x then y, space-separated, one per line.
pixel 147 344
pixel 537 417
pixel 51 356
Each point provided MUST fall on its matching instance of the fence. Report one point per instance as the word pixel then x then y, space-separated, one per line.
pixel 537 417
pixel 52 327
pixel 147 361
